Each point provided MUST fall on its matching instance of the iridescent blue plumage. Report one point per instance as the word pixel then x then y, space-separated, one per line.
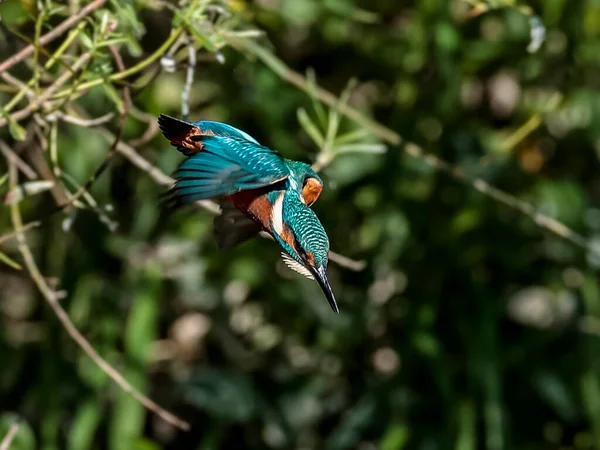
pixel 266 191
pixel 222 129
pixel 227 165
pixel 223 160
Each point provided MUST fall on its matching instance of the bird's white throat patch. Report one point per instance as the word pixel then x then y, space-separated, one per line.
pixel 277 214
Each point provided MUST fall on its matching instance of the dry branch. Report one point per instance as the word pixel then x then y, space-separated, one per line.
pixel 52 299
pixel 12 432
pixel 51 35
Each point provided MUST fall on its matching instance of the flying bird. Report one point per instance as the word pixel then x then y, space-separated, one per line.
pixel 264 192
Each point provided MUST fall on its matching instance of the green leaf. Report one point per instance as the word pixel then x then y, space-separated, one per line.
pixel 352 137
pixel 113 41
pixel 205 41
pixel 142 322
pixel 310 128
pixel 127 423
pixel 395 438
pixel 84 426
pixel 113 95
pixel 361 148
pixel 16 131
pixel 86 41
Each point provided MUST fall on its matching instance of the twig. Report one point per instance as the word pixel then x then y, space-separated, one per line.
pixel 26 227
pixel 155 173
pixel 126 73
pixel 10 155
pixel 189 79
pixel 52 299
pixel 340 260
pixel 51 35
pixel 150 131
pixel 82 122
pixel 347 263
pixel 111 152
pixel 33 106
pixel 12 432
pixel 543 221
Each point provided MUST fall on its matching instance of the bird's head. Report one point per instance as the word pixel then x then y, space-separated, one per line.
pixel 304 179
pixel 304 239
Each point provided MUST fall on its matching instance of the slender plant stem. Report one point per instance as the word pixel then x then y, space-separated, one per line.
pixel 126 73
pixel 51 35
pixel 12 432
pixel 39 101
pixel 52 299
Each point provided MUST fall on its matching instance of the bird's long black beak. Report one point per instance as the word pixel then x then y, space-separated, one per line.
pixel 320 275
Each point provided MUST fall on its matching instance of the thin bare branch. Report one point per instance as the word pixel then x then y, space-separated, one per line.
pixel 83 122
pixel 51 35
pixel 10 155
pixel 347 263
pixel 111 152
pixel 26 227
pixel 189 79
pixel 12 432
pixel 48 93
pixel 52 299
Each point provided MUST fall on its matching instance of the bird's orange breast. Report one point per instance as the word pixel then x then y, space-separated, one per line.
pixel 255 204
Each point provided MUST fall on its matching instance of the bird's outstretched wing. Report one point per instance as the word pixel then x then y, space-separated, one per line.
pixel 180 132
pixel 224 166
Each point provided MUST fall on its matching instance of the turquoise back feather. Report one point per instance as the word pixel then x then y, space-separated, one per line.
pixel 222 129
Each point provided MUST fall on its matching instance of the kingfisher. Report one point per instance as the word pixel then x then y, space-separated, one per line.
pixel 263 192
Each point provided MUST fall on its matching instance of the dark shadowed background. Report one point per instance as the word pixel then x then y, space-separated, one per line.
pixel 470 326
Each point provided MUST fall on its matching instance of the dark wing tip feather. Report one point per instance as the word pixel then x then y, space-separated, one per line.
pixel 169 200
pixel 172 127
pixel 176 131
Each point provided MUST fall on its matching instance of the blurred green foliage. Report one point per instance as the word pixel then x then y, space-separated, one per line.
pixel 469 328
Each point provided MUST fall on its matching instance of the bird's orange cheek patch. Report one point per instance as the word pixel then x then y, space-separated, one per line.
pixel 311 190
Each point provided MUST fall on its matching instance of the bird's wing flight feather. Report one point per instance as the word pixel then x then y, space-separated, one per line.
pixel 179 133
pixel 224 166
pixel 296 266
pixel 222 129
